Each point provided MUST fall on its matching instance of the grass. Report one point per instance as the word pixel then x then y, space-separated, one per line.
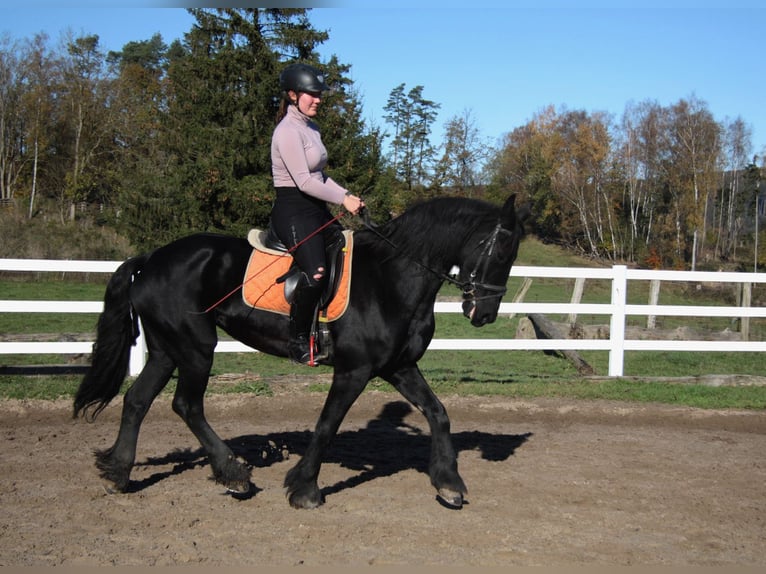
pixel 513 374
pixel 519 374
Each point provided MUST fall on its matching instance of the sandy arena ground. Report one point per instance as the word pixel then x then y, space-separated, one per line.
pixel 550 483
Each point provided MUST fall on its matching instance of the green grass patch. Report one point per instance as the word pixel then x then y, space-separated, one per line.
pixel 461 373
pixel 44 387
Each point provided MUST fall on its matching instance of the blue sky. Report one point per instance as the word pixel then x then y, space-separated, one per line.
pixel 499 60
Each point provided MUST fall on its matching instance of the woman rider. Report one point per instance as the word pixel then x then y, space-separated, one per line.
pixel 298 159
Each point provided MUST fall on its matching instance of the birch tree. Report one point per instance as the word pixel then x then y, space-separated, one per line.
pixel 42 69
pixel 11 126
pixel 695 149
pixel 732 200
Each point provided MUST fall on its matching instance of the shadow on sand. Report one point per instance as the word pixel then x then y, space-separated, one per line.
pixel 386 446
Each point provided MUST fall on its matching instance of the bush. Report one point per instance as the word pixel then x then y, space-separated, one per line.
pixel 39 238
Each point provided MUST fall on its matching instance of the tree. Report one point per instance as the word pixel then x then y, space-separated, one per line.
pixel 8 109
pixel 524 165
pixel 41 70
pixel 752 181
pixel 396 106
pixel 694 143
pixel 87 122
pixel 464 154
pixel 581 162
pixel 222 94
pixel 11 119
pixel 412 117
pixel 214 132
pixel 423 153
pixel 732 201
pixel 643 157
pixel 139 101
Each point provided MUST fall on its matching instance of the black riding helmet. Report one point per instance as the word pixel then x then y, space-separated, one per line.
pixel 302 78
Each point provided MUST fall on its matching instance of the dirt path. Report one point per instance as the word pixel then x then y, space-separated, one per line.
pixel 551 483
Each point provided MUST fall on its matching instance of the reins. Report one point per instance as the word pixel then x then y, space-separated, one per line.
pixel 467 287
pixel 374 229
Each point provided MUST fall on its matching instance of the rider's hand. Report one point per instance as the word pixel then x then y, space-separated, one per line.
pixel 352 203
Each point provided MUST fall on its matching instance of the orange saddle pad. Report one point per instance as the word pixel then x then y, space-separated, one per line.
pixel 261 290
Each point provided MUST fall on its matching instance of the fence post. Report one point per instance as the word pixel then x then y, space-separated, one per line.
pixel 138 353
pixel 617 326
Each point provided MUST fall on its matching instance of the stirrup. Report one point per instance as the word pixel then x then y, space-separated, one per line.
pixel 301 351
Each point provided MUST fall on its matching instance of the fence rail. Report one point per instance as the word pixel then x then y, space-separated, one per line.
pixel 617 309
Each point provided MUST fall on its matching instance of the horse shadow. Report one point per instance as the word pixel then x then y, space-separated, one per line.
pixel 386 446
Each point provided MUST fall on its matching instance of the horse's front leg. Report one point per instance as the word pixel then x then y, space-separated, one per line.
pixel 409 381
pixel 301 480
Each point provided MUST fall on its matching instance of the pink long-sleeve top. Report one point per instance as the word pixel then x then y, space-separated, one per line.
pixel 298 158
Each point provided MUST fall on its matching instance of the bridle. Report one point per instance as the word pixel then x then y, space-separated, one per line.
pixel 468 287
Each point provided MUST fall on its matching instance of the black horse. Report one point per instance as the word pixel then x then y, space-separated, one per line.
pixel 398 270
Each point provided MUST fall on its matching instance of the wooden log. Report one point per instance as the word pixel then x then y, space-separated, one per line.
pixel 545 329
pixel 744 325
pixel 654 297
pixel 576 297
pixel 520 294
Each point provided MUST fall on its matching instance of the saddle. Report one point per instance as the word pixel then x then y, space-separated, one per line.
pixel 271 275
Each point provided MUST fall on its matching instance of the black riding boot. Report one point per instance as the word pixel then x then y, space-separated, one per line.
pixel 302 314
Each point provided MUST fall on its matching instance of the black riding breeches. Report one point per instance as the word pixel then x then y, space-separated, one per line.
pixel 294 217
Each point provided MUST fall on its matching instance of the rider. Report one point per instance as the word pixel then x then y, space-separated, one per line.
pixel 298 159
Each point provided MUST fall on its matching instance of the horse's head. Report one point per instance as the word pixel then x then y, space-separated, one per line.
pixel 485 269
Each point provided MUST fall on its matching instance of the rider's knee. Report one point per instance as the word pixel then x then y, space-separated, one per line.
pixel 316 279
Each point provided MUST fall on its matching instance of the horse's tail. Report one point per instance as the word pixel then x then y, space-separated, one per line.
pixel 116 333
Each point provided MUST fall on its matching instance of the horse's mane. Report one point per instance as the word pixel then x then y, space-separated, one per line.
pixel 439 226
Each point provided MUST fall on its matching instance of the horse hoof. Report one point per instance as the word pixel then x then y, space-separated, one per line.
pixel 450 498
pixel 305 501
pixel 111 487
pixel 305 504
pixel 239 488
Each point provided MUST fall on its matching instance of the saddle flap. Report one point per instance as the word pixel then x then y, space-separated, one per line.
pixel 291 279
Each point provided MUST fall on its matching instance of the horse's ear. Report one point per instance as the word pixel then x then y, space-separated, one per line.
pixel 511 215
pixel 510 204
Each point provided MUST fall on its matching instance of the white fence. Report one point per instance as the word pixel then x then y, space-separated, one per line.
pixel 617 309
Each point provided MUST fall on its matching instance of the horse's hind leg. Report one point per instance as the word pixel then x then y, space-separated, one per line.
pixel 442 468
pixel 188 404
pixel 116 462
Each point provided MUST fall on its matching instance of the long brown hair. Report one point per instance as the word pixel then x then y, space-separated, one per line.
pixel 283 106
